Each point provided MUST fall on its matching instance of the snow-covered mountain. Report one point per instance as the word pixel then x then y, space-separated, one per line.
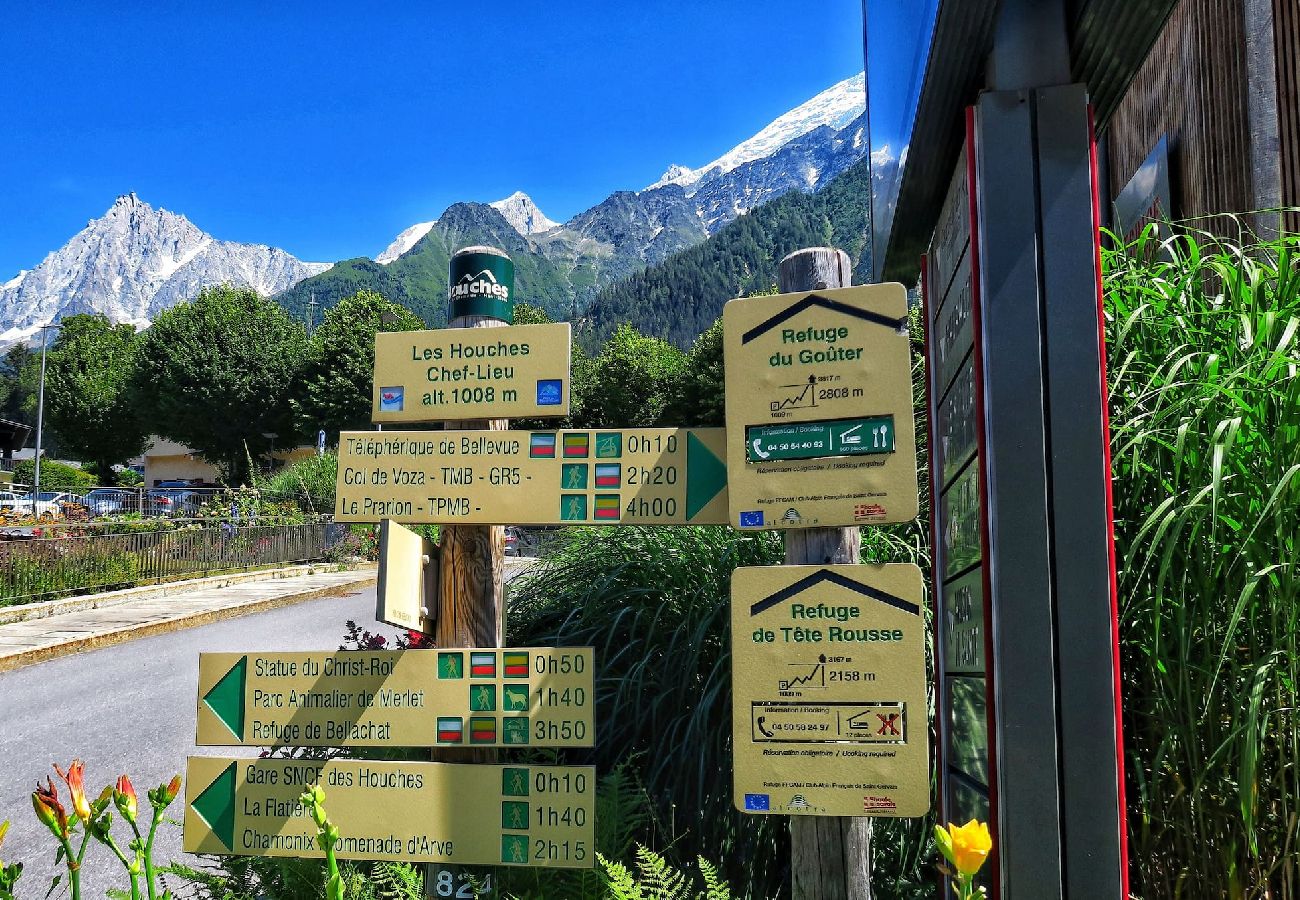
pixel 522 213
pixel 133 262
pixel 799 150
pixel 835 107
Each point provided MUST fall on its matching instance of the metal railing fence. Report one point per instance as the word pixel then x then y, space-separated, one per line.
pixel 46 567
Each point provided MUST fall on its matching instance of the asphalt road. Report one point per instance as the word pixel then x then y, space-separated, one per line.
pixel 131 709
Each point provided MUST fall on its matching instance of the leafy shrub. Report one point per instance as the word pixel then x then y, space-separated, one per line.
pixel 308 482
pixel 55 476
pixel 1205 413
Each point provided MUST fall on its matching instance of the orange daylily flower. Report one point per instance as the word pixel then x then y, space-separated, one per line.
pixel 74 778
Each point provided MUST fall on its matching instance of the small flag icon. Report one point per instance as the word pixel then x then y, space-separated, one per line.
pixel 483 730
pixel 541 445
pixel 751 519
pixel 607 506
pixel 576 445
pixel 451 665
pixel 516 664
pixel 608 475
pixel 758 802
pixel 483 665
pixel 450 730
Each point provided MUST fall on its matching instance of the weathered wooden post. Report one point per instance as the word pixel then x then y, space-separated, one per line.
pixel 830 857
pixel 471 604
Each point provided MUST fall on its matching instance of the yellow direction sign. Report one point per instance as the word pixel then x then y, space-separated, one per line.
pixel 409 811
pixel 408 578
pixel 819 408
pixel 828 691
pixel 639 476
pixel 471 373
pixel 491 697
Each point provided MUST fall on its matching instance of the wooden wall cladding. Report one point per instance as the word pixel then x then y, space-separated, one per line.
pixel 1191 88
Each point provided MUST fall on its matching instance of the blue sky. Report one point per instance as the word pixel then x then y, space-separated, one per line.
pixel 326 128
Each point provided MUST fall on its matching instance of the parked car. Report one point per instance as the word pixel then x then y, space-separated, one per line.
pixel 13 503
pixel 109 502
pixel 173 502
pixel 50 503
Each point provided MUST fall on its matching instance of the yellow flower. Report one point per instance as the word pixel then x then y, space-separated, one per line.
pixel 965 846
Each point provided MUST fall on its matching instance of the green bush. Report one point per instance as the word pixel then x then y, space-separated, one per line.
pixel 55 476
pixel 1205 408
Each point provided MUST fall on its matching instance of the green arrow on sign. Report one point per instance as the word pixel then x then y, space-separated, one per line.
pixel 226 698
pixel 706 475
pixel 216 806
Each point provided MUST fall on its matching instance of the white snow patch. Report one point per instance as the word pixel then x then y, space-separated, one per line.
pixel 169 266
pixel 15 281
pixel 405 241
pixel 836 106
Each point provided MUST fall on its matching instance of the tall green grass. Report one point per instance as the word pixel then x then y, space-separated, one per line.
pixel 1205 408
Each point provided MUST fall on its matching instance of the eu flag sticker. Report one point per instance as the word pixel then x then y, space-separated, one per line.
pixel 550 392
pixel 751 519
pixel 758 802
pixel 391 399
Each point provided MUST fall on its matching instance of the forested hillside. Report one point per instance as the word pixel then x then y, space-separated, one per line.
pixel 680 297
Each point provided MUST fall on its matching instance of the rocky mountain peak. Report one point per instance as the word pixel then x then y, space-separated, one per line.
pixel 523 215
pixel 133 262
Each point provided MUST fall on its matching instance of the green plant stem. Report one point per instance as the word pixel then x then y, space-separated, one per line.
pixel 132 866
pixel 147 853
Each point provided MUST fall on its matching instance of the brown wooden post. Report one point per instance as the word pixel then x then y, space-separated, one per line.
pixel 830 857
pixel 471 607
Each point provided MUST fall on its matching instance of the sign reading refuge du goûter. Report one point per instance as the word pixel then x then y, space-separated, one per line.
pixel 819 409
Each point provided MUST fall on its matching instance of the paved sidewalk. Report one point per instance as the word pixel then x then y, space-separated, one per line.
pixel 38 639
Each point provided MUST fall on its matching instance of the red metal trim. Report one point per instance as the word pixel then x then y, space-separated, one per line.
pixel 1110 506
pixel 972 193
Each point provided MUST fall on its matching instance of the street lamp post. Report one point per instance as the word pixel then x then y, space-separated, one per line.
pixel 40 420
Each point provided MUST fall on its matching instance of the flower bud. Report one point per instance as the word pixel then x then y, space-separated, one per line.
pixel 124 798
pixel 50 812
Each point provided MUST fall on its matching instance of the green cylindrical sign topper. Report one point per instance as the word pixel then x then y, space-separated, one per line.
pixel 481 283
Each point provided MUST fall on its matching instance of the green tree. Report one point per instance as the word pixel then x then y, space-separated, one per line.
pixel 627 385
pixel 215 373
pixel 527 314
pixel 696 398
pixel 20 371
pixel 333 391
pixel 87 392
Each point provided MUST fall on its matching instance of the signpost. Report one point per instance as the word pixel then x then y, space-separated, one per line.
pixel 470 373
pixel 518 697
pixel 829 700
pixel 819 408
pixel 640 476
pixel 406 594
pixel 407 811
